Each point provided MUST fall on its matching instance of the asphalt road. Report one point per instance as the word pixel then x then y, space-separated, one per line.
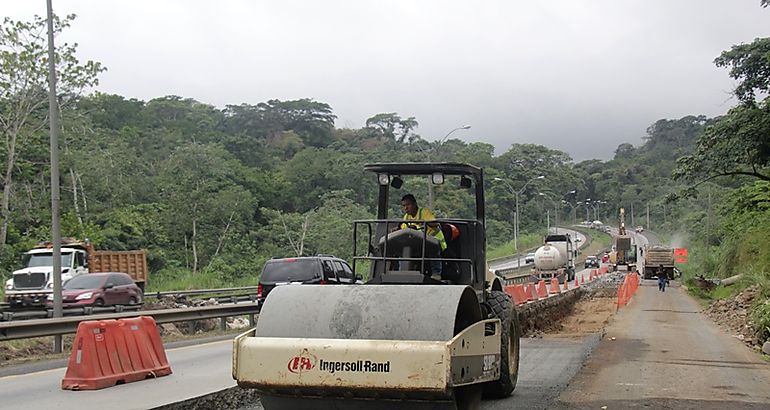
pixel 547 366
pixel 197 370
pixel 668 355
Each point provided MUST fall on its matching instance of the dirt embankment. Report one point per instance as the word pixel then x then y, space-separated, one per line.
pixel 590 314
pixel 581 312
pixel 734 316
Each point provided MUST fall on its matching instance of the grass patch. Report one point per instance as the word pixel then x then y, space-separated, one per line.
pixel 528 242
pixel 184 279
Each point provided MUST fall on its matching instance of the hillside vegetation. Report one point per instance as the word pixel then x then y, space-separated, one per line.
pixel 212 192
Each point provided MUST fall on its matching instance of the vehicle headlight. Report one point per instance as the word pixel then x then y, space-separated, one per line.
pixel 8 286
pixel 86 295
pixel 49 297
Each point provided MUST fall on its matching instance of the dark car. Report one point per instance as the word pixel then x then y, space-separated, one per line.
pixel 306 270
pixel 592 262
pixel 99 289
pixel 530 258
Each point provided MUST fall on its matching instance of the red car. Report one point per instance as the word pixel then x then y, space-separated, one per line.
pixel 99 289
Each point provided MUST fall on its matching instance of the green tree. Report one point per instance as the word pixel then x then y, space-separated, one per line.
pixel 202 199
pixel 737 144
pixel 23 89
pixel 391 127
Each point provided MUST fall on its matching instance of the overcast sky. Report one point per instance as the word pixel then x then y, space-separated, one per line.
pixel 578 76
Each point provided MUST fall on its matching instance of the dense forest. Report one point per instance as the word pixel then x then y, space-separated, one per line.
pixel 213 192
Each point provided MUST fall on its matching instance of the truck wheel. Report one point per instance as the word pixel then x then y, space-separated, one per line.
pixel 502 309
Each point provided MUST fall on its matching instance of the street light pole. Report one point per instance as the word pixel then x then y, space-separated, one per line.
pixel 574 210
pixel 438 144
pixel 516 216
pixel 555 213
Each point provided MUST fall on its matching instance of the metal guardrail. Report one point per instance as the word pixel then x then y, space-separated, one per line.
pixel 199 292
pixel 61 326
pixel 41 313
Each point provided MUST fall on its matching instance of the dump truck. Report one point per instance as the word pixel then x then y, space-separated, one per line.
pixel 31 285
pixel 408 338
pixel 556 258
pixel 655 256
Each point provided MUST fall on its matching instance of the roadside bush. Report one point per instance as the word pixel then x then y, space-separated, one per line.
pixel 760 315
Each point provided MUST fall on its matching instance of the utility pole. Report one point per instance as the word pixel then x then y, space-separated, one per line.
pixel 632 215
pixel 648 215
pixel 53 114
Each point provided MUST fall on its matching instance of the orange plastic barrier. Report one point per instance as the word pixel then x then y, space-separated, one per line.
pixel 109 352
pixel 542 292
pixel 517 294
pixel 627 289
pixel 554 288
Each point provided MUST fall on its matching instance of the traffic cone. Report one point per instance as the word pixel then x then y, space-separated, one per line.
pixel 577 285
pixel 542 292
pixel 554 288
pixel 566 283
pixel 533 292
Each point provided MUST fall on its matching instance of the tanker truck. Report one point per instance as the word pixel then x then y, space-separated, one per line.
pixel 31 285
pixel 556 258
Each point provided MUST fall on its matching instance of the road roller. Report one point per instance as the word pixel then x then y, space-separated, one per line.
pixel 430 328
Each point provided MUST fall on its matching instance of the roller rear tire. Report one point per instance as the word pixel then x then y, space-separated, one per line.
pixel 502 308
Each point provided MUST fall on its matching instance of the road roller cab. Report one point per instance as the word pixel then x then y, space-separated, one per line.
pixel 409 337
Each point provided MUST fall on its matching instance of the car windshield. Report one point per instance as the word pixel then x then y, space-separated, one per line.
pixel 46 259
pixel 84 282
pixel 289 270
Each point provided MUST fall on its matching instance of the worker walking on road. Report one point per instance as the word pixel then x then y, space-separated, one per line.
pixel 661 279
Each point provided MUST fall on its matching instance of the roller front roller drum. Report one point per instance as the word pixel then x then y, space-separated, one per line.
pixel 373 347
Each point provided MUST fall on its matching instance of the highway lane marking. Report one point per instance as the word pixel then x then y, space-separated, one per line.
pixel 229 341
pixel 16 376
pixel 41 372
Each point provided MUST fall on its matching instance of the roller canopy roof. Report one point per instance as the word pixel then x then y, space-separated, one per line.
pixel 424 168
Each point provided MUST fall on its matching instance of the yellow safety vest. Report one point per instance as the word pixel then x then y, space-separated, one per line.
pixel 426 215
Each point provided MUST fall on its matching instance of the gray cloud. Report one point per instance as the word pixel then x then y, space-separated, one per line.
pixel 581 77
